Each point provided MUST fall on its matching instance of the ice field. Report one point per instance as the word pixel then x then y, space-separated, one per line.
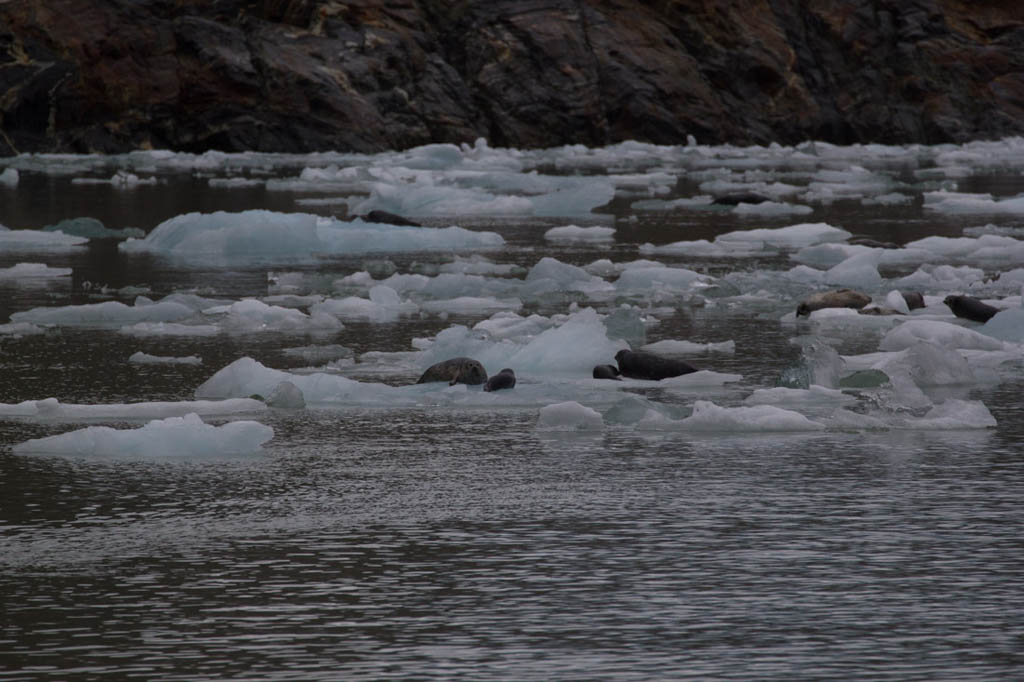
pixel 176 317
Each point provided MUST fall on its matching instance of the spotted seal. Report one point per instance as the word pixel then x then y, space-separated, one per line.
pixel 506 378
pixel 970 308
pixel 643 365
pixel 607 372
pixel 459 370
pixel 838 298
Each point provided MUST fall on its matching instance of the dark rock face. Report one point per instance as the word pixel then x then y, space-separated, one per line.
pixel 367 75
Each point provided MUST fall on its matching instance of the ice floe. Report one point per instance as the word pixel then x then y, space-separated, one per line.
pixel 186 436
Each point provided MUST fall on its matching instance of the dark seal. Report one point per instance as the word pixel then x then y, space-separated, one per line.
pixel 506 378
pixel 839 298
pixel 914 299
pixel 607 372
pixel 737 198
pixel 389 218
pixel 970 308
pixel 641 365
pixel 456 371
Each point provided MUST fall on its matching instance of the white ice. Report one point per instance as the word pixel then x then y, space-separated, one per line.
pixel 678 347
pixel 709 417
pixel 186 436
pixel 937 332
pixel 569 416
pixel 31 271
pixel 30 241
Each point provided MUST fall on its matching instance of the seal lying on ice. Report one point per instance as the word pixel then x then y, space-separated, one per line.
pixel 506 378
pixel 642 365
pixel 970 308
pixel 459 370
pixel 839 298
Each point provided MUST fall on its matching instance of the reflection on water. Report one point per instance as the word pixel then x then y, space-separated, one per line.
pixel 462 544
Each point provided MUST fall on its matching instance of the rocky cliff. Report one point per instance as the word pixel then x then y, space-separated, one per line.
pixel 367 75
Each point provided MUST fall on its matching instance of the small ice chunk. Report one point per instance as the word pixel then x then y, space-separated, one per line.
pixel 146 359
pixel 771 208
pixel 790 237
pixel 953 414
pixel 24 271
pixel 9 178
pixel 575 233
pixel 50 409
pixel 12 241
pixel 569 416
pixel 709 417
pixel 186 436
pixel 675 347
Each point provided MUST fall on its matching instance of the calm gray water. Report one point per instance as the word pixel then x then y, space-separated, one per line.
pixel 413 544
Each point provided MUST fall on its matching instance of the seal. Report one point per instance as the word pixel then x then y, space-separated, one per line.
pixel 459 370
pixel 873 243
pixel 914 299
pixel 838 298
pixel 389 218
pixel 970 308
pixel 607 372
pixel 506 378
pixel 737 198
pixel 642 365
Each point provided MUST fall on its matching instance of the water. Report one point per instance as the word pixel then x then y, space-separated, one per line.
pixel 421 543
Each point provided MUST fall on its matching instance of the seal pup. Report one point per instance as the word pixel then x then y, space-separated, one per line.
pixel 643 365
pixel 607 372
pixel 914 299
pixel 506 378
pixel 459 370
pixel 838 298
pixel 970 308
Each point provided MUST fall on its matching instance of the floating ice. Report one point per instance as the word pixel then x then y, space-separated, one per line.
pixel 510 325
pixel 316 355
pixel 120 180
pixel 676 279
pixel 250 315
pixel 1006 325
pixel 709 417
pixel 702 378
pixel 19 329
pixel 286 395
pixel 472 305
pixel 186 436
pixel 9 178
pixel 383 305
pixel 53 410
pixel 170 329
pixel 478 265
pixel 105 314
pixel 791 237
pixel 575 233
pixel 675 347
pixel 959 202
pixel 569 416
pixel 858 272
pixel 32 271
pixel 259 235
pixel 92 229
pixel 944 334
pixel 771 209
pixel 146 359
pixel 702 201
pixel 953 414
pixel 12 241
